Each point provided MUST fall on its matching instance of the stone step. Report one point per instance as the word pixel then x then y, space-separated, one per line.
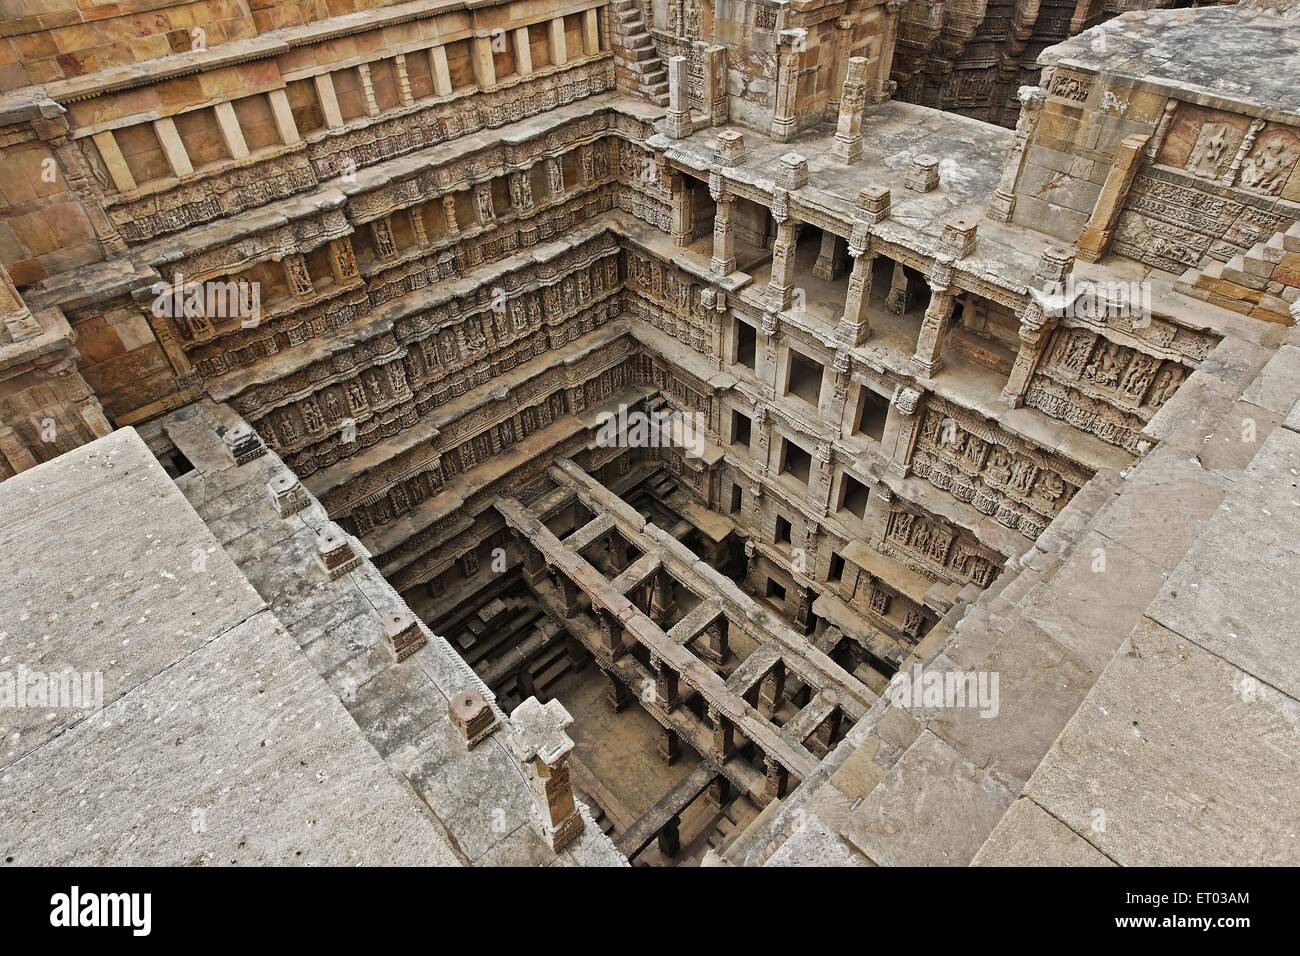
pixel 643 54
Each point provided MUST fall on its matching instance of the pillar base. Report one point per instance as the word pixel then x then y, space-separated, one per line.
pixel 722 267
pixel 847 151
pixel 1000 207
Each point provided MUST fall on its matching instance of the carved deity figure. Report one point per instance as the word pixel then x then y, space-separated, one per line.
pixel 1210 152
pixel 1267 168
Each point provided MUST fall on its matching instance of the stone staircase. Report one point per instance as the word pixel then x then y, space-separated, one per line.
pixel 1263 282
pixel 643 70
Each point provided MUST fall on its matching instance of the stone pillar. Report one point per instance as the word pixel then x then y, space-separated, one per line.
pixel 1095 238
pixel 485 72
pixel 569 595
pixel 669 838
pixel 559 52
pixel 724 734
pixel 778 778
pixel 670 748
pixel 538 741
pixel 884 86
pixel 791 44
pixel 680 227
pixel 1003 203
pixel 523 52
pixel 534 563
pixel 368 89
pixel 714 647
pixel 1034 333
pixel 617 552
pixel 231 134
pixel 830 258
pixel 174 149
pixel 715 84
pixel 282 113
pixel 929 344
pixel 679 111
pixel 780 287
pixel 440 70
pixel 662 604
pixel 848 129
pixel 771 690
pixel 719 792
pixel 329 101
pixel 666 685
pixel 611 635
pixel 616 692
pixel 897 300
pixel 724 238
pixel 591 32
pixel 449 215
pixel 826 730
pixel 855 326
pixel 114 161
pixel 404 94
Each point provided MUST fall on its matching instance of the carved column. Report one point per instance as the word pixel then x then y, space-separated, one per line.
pixel 670 748
pixel 771 690
pixel 724 238
pixel 929 344
pixel 611 635
pixel 1034 331
pixel 778 778
pixel 404 94
pixel 830 258
pixel 714 647
pixel 898 298
pixel 1003 203
pixel 449 215
pixel 328 99
pixel 368 89
pixel 681 226
pixel 679 111
pixel 848 129
pixel 780 287
pixel 666 685
pixel 559 48
pixel 899 438
pixel 724 734
pixel 791 44
pixel 715 84
pixel 855 326
pixel 662 604
pixel 1095 238
pixel 538 741
pixel 616 692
